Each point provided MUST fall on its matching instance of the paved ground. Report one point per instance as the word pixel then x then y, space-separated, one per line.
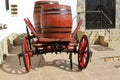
pixel 56 67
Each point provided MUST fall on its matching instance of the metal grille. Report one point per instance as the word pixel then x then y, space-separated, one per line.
pixel 100 14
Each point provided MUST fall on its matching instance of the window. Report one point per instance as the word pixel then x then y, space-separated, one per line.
pixel 100 14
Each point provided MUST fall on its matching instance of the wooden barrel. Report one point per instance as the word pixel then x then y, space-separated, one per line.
pixel 37 13
pixel 56 21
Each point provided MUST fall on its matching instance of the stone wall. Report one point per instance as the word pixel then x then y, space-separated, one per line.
pixel 6 45
pixel 81 8
pixel 118 14
pixel 99 36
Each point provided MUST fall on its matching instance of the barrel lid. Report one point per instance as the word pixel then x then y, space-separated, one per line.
pixel 46 2
pixel 56 6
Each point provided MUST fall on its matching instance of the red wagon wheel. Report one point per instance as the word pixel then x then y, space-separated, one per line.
pixel 26 53
pixel 83 53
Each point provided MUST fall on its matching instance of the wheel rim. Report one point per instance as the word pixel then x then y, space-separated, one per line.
pixel 83 54
pixel 26 57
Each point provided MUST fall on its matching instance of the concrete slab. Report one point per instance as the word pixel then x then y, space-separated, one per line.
pixel 56 67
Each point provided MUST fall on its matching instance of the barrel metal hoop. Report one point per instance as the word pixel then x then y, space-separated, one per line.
pixel 46 2
pixel 56 27
pixel 37 6
pixel 56 9
pixel 57 13
pixel 46 32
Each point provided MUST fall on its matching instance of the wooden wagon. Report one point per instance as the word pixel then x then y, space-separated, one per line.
pixel 52 34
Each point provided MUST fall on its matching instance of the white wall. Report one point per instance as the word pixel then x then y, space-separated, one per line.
pixel 25 9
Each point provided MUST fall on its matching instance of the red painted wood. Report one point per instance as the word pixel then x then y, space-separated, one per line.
pixel 77 28
pixel 83 54
pixel 26 57
pixel 29 24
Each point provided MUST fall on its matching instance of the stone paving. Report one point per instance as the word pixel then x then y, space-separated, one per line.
pixel 56 67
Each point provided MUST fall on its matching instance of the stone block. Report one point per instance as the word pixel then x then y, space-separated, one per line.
pixel 102 42
pixel 80 34
pixel 18 39
pixel 114 44
pixel 6 46
pixel 1 54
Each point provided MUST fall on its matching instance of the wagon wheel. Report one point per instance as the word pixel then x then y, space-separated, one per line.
pixel 26 54
pixel 83 53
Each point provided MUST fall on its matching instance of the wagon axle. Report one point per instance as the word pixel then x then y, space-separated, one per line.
pixel 21 56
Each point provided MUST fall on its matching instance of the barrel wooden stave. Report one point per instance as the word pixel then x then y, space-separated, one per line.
pixel 37 13
pixel 56 21
pixel 56 35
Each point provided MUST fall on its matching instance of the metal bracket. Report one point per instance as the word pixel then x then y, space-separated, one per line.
pixel 70 57
pixel 90 55
pixel 19 57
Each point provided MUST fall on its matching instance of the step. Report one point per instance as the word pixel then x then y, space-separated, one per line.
pixel 114 44
pixel 111 59
pixel 113 35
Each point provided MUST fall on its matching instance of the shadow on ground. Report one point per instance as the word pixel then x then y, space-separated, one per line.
pixel 61 64
pixel 102 48
pixel 12 66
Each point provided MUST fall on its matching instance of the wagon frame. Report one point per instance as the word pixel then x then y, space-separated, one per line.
pixel 50 45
